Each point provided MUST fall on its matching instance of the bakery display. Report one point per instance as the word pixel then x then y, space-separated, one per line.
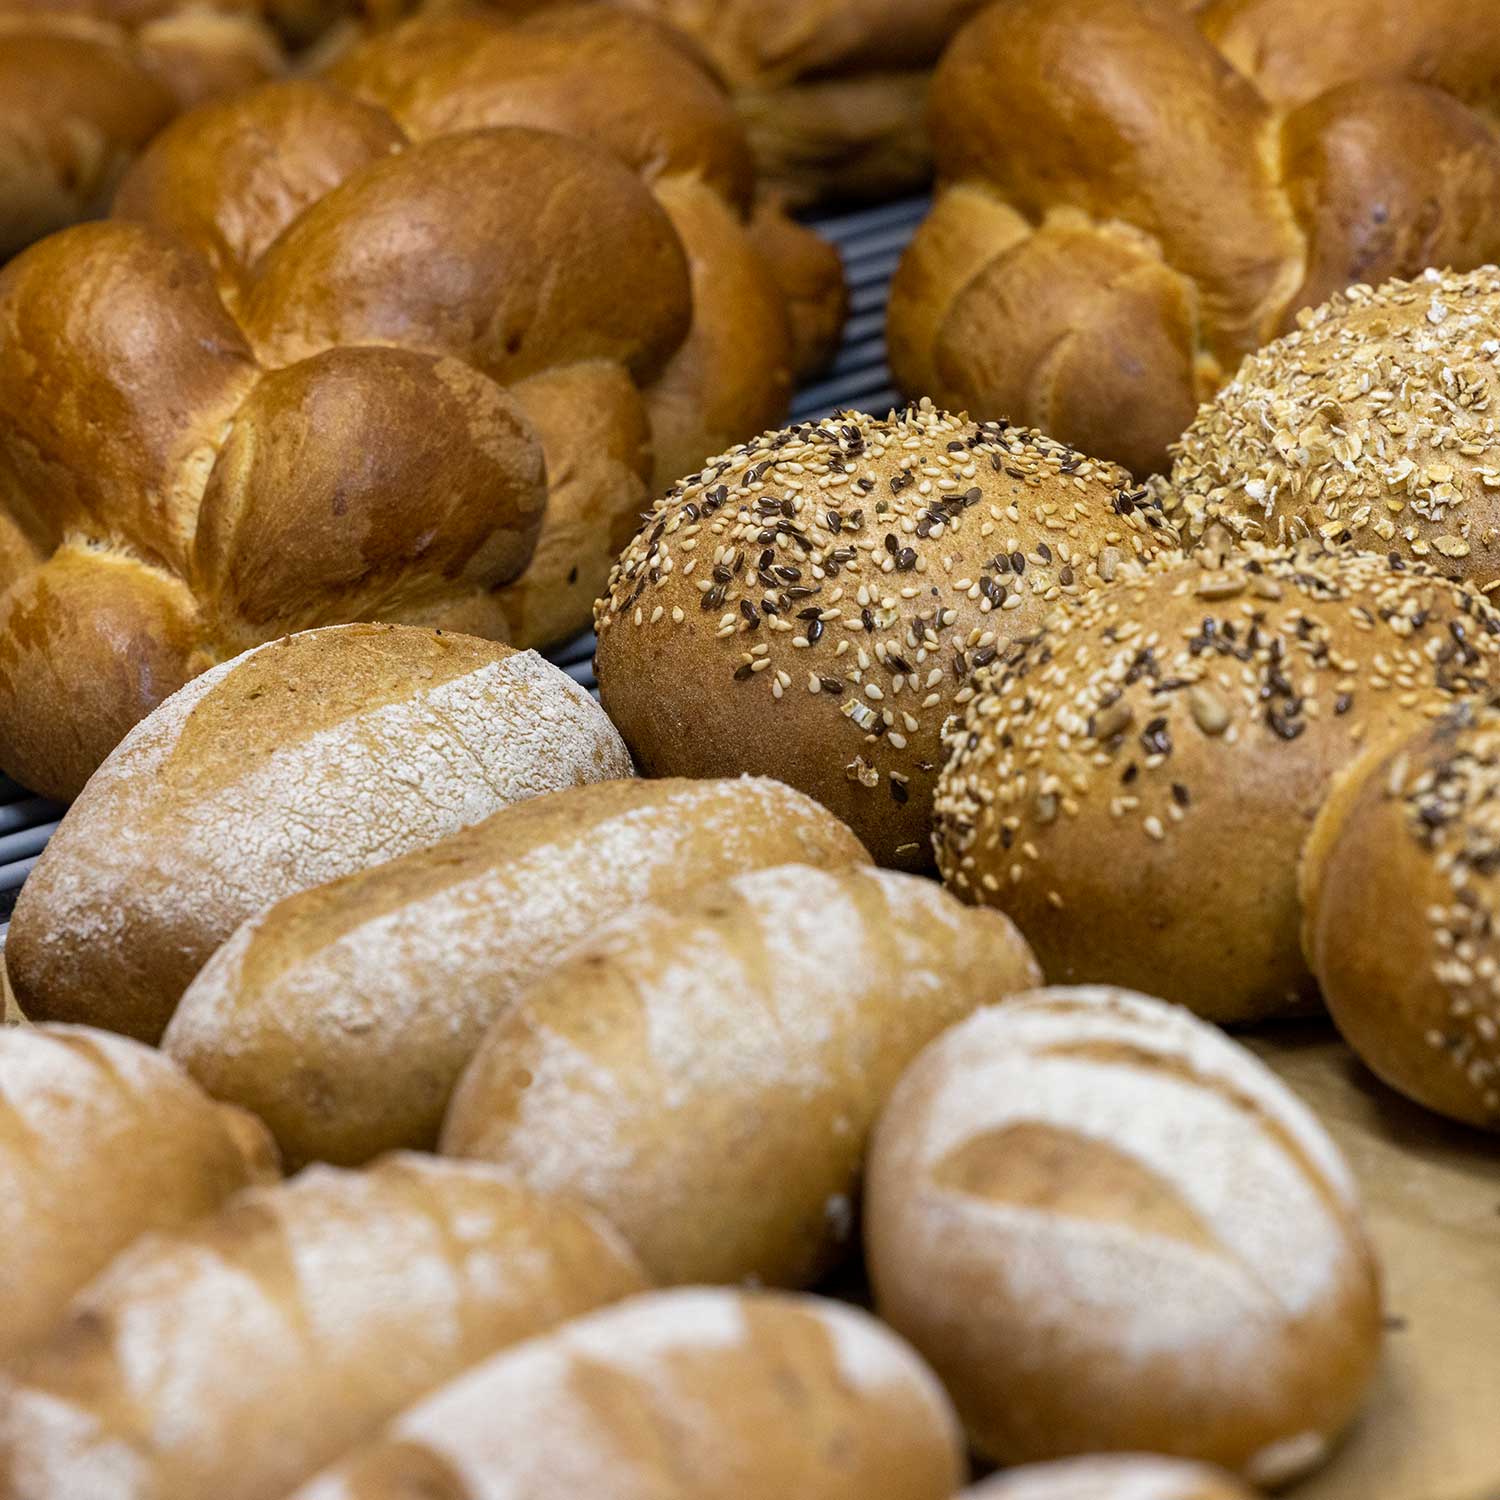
pixel 101 1140
pixel 716 1394
pixel 341 354
pixel 811 604
pixel 291 765
pixel 1110 1229
pixel 706 1075
pixel 344 1014
pixel 1125 1476
pixel 1398 891
pixel 1134 785
pixel 295 1321
pixel 1135 194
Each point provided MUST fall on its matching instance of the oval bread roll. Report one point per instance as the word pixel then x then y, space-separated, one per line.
pixel 299 761
pixel 707 1076
pixel 233 1359
pixel 1109 1228
pixel 716 1394
pixel 344 1014
pixel 1399 887
pixel 1114 1476
pixel 101 1139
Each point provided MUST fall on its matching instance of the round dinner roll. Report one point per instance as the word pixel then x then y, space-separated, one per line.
pixel 1110 1229
pixel 292 764
pixel 1372 423
pixel 1114 1476
pixel 706 1074
pixel 344 1014
pixel 1400 890
pixel 708 1393
pixel 810 605
pixel 1135 785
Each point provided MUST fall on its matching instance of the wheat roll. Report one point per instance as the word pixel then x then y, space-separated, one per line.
pixel 1113 1476
pixel 1134 787
pixel 101 1139
pixel 293 764
pixel 1400 893
pixel 238 1357
pixel 707 1075
pixel 809 606
pixel 344 1014
pixel 717 1394
pixel 1110 1229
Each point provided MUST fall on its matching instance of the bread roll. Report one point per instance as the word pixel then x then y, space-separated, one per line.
pixel 1109 1228
pixel 236 1358
pixel 1399 892
pixel 1371 423
pixel 344 1014
pixel 714 1394
pixel 706 1075
pixel 1134 787
pixel 1123 1476
pixel 299 761
pixel 809 606
pixel 100 1140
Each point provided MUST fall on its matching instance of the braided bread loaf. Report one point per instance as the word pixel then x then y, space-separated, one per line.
pixel 341 346
pixel 1135 198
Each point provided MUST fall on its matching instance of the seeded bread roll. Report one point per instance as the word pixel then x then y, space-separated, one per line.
pixel 100 1140
pixel 1122 1476
pixel 344 1014
pixel 295 763
pixel 715 1394
pixel 1400 892
pixel 1111 1229
pixel 1135 786
pixel 809 606
pixel 707 1075
pixel 237 1358
pixel 1371 423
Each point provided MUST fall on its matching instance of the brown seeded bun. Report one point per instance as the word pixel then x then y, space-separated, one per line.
pixel 808 607
pixel 1134 788
pixel 1110 1229
pixel 1401 885
pixel 344 1015
pixel 1114 1476
pixel 706 1076
pixel 1372 423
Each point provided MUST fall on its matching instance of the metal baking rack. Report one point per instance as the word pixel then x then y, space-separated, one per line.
pixel 871 241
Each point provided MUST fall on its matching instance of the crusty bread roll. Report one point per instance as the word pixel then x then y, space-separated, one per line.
pixel 1370 423
pixel 1115 1476
pixel 101 1139
pixel 715 1394
pixel 293 764
pixel 809 606
pixel 344 1014
pixel 706 1075
pixel 1134 787
pixel 1109 1228
pixel 235 1358
pixel 1398 887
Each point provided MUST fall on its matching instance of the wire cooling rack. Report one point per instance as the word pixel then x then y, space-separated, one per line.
pixel 870 240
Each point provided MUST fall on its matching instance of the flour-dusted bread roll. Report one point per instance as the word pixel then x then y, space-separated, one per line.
pixel 1135 786
pixel 1114 1476
pixel 101 1139
pixel 810 605
pixel 344 1014
pixel 707 1075
pixel 299 761
pixel 1111 1229
pixel 1399 886
pixel 716 1394
pixel 234 1359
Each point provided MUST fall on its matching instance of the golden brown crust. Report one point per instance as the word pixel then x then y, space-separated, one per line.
pixel 1134 786
pixel 808 606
